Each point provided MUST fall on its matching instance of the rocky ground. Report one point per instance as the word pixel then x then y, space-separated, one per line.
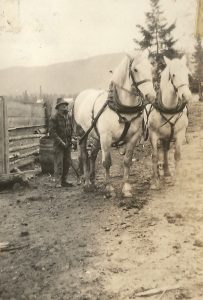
pixel 66 244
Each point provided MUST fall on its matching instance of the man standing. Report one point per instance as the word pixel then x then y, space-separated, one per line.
pixel 60 129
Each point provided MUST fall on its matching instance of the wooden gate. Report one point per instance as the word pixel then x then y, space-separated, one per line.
pixel 4 143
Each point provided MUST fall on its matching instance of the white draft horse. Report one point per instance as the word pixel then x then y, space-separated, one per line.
pixel 109 124
pixel 167 118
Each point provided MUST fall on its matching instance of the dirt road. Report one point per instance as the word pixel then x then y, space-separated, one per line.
pixel 72 245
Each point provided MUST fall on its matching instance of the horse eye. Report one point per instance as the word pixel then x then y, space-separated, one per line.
pixel 135 70
pixel 173 75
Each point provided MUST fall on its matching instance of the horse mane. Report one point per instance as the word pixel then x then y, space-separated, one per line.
pixel 164 77
pixel 122 71
pixel 119 75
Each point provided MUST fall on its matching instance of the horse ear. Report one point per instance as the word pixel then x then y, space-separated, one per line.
pixel 167 60
pixel 129 55
pixel 184 59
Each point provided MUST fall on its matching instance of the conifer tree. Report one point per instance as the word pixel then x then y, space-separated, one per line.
pixel 157 37
pixel 198 64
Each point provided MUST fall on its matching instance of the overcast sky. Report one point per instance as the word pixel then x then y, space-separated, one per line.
pixel 42 32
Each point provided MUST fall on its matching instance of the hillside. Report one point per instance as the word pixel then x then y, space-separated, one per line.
pixel 68 77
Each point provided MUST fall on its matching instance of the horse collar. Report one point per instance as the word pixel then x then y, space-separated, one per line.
pixel 158 105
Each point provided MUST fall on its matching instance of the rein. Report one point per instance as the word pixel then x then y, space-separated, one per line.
pixel 175 88
pixel 136 84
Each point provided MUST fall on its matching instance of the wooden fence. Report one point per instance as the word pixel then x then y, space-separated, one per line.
pixel 21 127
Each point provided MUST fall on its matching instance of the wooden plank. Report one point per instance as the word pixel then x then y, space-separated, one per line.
pixel 4 143
pixel 22 137
pixel 17 155
pixel 25 127
pixel 17 148
pixel 19 163
pixel 6 179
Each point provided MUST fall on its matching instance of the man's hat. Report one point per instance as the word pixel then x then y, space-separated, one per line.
pixel 60 101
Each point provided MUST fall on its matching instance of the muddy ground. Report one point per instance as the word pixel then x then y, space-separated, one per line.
pixel 65 244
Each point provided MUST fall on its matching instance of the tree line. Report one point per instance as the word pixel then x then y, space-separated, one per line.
pixel 157 37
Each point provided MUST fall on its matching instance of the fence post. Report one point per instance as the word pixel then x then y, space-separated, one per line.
pixel 4 142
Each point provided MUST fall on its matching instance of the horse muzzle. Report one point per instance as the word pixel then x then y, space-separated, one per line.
pixel 186 97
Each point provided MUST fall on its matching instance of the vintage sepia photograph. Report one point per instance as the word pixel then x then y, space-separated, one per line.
pixel 101 149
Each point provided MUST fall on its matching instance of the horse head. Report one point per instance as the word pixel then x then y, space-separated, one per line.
pixel 178 77
pixel 140 73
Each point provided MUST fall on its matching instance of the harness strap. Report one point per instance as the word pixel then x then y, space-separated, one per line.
pixel 94 121
pixel 144 125
pixel 127 123
pixel 93 118
pixel 168 121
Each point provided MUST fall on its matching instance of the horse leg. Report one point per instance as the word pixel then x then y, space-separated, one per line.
pixel 93 157
pixel 177 154
pixel 160 159
pixel 165 166
pixel 127 188
pixel 107 163
pixel 85 164
pixel 155 184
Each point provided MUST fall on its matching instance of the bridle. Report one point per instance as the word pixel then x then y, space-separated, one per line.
pixel 136 84
pixel 175 88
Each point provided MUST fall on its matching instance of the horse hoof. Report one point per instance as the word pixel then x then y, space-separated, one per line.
pixel 127 195
pixel 168 179
pixel 127 190
pixel 110 194
pixel 109 189
pixel 113 194
pixel 154 187
pixel 89 188
pixel 79 182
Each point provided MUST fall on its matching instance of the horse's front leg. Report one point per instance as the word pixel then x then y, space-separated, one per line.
pixel 166 146
pixel 127 188
pixel 177 154
pixel 106 162
pixel 155 184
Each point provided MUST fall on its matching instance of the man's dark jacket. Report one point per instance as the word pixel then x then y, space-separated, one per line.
pixel 60 129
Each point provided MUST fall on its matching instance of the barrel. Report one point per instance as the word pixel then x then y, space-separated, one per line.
pixel 46 154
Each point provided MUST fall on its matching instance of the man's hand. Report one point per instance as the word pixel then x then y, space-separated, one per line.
pixel 63 145
pixel 67 145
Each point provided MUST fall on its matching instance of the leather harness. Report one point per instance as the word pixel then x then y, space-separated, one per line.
pixel 113 102
pixel 159 106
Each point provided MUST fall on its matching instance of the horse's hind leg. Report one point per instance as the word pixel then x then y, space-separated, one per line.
pixel 155 184
pixel 85 164
pixel 93 157
pixel 127 189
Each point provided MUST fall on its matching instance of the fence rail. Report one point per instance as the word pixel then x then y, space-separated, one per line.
pixel 21 127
